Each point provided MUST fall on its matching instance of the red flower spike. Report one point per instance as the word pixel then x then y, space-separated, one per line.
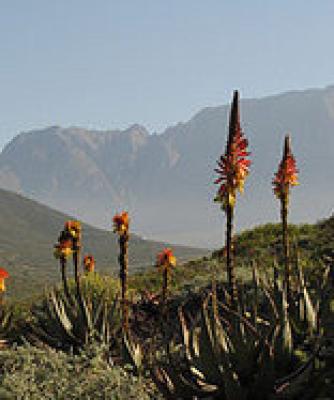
pixel 233 165
pixel 286 175
pixel 121 222
pixel 166 258
pixel 3 274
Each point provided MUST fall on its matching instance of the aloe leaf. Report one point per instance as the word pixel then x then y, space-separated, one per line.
pixel 132 353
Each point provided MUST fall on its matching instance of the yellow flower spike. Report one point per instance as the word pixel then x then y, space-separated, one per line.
pixel 66 252
pixel 63 249
pixel 172 261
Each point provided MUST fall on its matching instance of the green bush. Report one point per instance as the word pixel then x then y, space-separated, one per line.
pixel 29 373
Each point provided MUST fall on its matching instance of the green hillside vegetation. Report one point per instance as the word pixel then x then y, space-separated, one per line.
pixel 29 230
pixel 314 241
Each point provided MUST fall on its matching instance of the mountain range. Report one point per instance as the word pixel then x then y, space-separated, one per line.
pixel 165 180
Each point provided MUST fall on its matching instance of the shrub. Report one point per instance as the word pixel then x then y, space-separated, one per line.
pixel 32 373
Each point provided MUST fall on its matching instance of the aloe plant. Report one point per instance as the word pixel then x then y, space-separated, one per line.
pixel 61 322
pixel 224 356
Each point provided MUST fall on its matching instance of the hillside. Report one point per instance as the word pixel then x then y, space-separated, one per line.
pixel 315 243
pixel 28 231
pixel 166 180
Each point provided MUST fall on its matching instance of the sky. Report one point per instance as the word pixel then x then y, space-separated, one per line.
pixel 108 64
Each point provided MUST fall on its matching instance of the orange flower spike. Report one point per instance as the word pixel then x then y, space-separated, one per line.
pixel 287 174
pixel 233 166
pixel 89 263
pixel 3 275
pixel 73 228
pixel 121 223
pixel 166 258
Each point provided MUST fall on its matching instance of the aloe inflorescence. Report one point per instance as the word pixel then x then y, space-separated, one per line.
pixel 233 168
pixel 165 261
pixel 285 177
pixel 121 227
pixel 88 264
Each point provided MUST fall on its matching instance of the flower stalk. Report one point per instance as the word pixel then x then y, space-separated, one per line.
pixel 73 231
pixel 62 250
pixel 69 244
pixel 285 177
pixel 121 227
pixel 233 168
pixel 165 261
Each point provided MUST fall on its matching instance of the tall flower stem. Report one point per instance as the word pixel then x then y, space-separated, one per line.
pixel 165 261
pixel 233 168
pixel 121 226
pixel 165 280
pixel 285 242
pixel 123 275
pixel 63 264
pixel 231 279
pixel 285 177
pixel 76 258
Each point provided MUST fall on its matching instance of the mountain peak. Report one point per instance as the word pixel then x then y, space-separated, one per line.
pixel 137 128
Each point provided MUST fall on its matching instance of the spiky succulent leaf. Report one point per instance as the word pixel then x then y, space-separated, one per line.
pixel 131 352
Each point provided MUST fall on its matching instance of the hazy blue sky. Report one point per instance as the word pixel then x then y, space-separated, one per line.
pixel 109 64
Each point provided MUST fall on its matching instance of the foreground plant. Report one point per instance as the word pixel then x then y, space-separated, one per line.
pixel 233 170
pixel 223 356
pixel 121 227
pixel 285 177
pixel 66 321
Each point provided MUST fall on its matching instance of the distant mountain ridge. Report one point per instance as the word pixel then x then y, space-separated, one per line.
pixel 166 180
